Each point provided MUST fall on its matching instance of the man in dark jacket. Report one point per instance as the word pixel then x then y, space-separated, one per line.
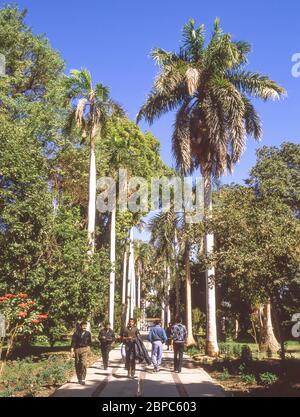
pixel 80 348
pixel 129 336
pixel 179 335
pixel 106 338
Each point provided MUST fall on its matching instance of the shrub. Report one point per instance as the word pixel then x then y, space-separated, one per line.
pixel 248 379
pixel 267 378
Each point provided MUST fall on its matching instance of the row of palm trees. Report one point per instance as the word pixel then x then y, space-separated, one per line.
pixel 207 86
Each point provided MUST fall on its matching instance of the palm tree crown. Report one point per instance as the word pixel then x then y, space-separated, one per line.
pixel 208 86
pixel 93 105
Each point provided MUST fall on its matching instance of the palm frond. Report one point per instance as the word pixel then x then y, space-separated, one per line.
pixel 181 139
pixel 162 57
pixel 256 85
pixel 79 112
pixel 158 104
pixel 252 120
pixel 193 40
pixel 101 92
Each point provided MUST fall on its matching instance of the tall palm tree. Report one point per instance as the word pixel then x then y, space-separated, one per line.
pixel 91 109
pixel 208 86
pixel 163 227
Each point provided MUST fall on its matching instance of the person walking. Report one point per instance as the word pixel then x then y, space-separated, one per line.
pixel 129 336
pixel 157 336
pixel 80 348
pixel 179 335
pixel 169 336
pixel 106 338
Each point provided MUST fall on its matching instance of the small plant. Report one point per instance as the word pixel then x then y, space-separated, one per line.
pixel 225 375
pixel 248 379
pixel 267 378
pixel 8 392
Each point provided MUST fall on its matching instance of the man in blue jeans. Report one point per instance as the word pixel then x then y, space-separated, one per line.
pixel 157 337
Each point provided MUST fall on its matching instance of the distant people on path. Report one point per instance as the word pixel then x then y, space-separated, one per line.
pixel 169 336
pixel 129 337
pixel 80 348
pixel 106 338
pixel 179 335
pixel 157 336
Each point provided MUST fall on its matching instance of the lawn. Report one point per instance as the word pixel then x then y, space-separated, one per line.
pixel 260 376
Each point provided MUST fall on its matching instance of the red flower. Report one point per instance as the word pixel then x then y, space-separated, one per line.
pixel 22 295
pixel 35 321
pixel 3 298
pixel 22 314
pixel 10 296
pixel 42 316
pixel 22 305
pixel 30 302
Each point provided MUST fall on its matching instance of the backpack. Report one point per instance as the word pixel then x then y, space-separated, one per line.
pixel 179 333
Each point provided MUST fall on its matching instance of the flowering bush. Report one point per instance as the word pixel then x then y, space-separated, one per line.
pixel 21 319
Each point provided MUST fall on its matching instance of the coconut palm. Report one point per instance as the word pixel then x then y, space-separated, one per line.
pixel 208 86
pixel 91 109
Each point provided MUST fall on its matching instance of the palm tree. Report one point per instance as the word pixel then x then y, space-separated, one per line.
pixel 208 86
pixel 91 109
pixel 163 227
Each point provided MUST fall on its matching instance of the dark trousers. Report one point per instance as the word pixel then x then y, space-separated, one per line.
pixel 130 357
pixel 81 355
pixel 105 349
pixel 178 356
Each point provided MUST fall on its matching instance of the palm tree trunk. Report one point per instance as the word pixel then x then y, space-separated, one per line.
pixel 131 274
pixel 124 285
pixel 189 322
pixel 168 294
pixel 92 199
pixel 139 297
pixel 212 348
pixel 268 341
pixel 112 276
pixel 177 289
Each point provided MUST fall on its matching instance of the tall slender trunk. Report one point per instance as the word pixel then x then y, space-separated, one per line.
pixel 139 296
pixel 124 284
pixel 92 198
pixel 212 348
pixel 112 276
pixel 268 341
pixel 131 274
pixel 188 291
pixel 168 271
pixel 236 328
pixel 177 287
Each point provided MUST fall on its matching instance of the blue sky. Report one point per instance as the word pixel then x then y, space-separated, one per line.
pixel 113 40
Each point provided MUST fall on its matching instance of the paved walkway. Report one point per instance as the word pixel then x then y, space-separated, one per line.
pixel 193 381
